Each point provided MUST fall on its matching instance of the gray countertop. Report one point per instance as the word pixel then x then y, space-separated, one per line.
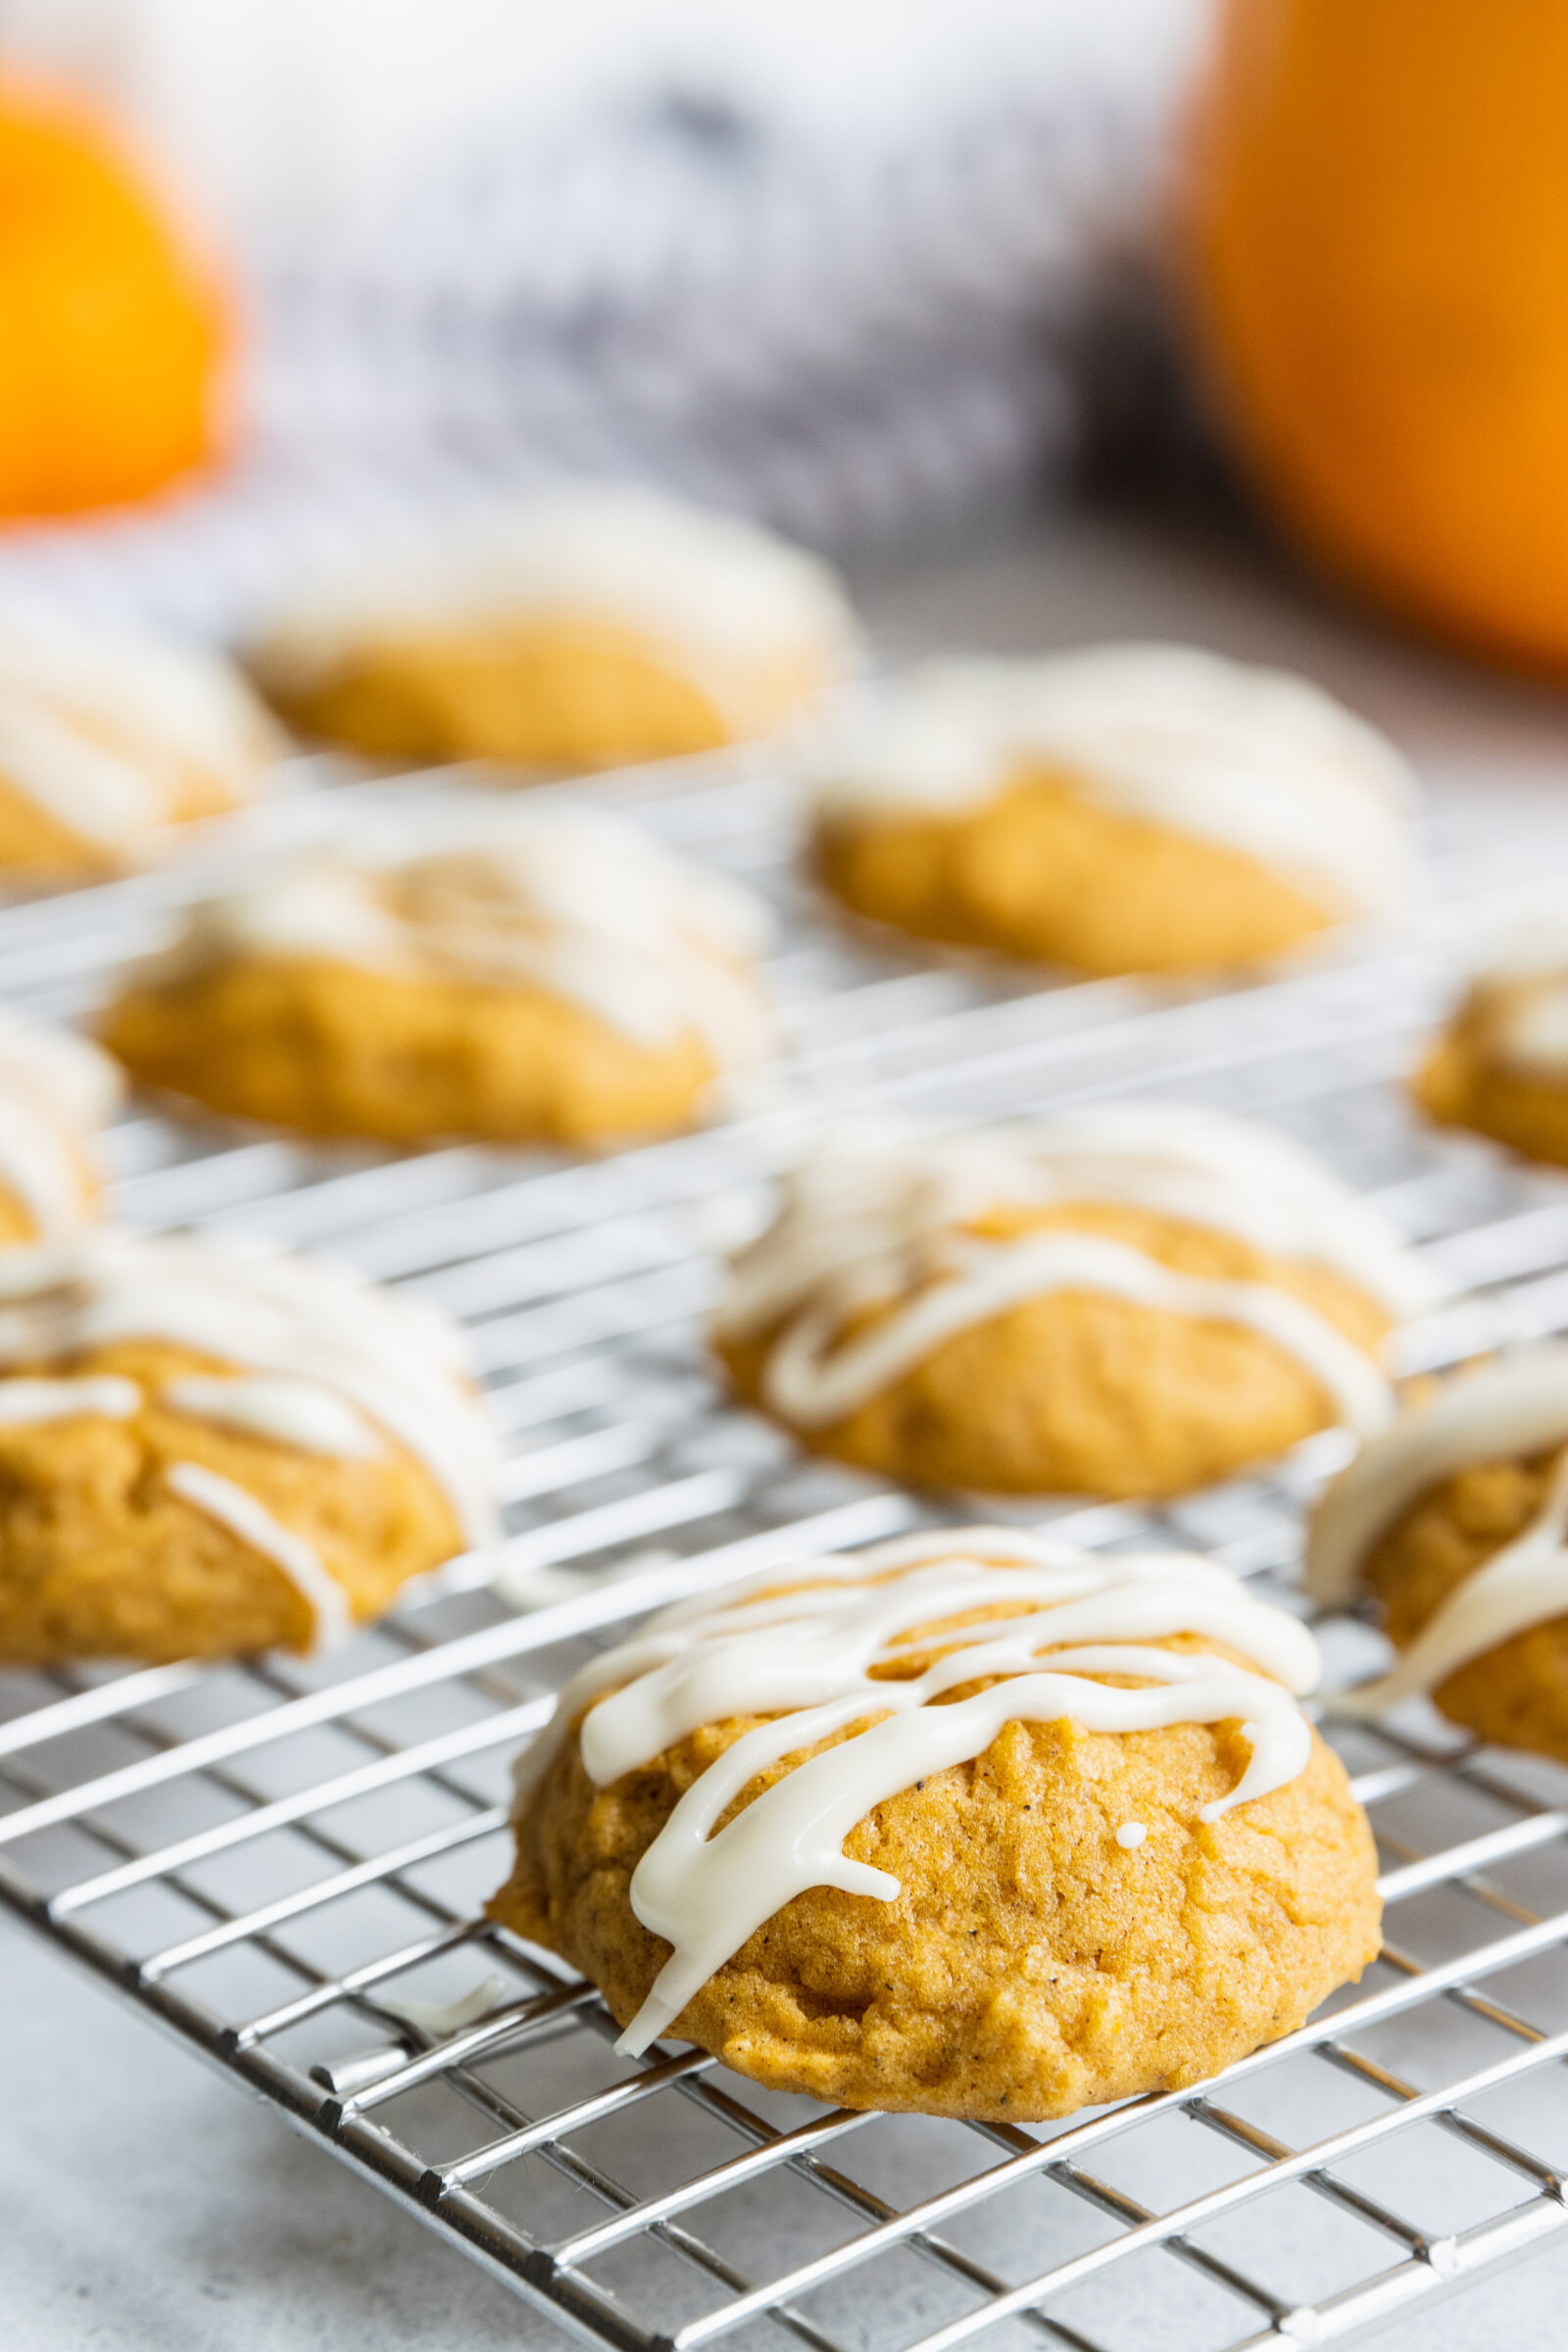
pixel 146 2207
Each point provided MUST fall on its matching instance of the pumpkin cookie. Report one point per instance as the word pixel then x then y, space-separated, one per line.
pixel 1110 1858
pixel 201 1456
pixel 1501 1065
pixel 578 629
pixel 1127 810
pixel 54 1090
pixel 1125 1301
pixel 557 978
pixel 106 740
pixel 1455 1521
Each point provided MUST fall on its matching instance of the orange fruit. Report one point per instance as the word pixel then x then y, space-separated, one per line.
pixel 112 334
pixel 1380 248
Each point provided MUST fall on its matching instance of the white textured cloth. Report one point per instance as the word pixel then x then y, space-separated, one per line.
pixel 859 323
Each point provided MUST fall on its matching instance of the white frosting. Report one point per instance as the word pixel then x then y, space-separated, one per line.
pixel 1130 1837
pixel 1506 1411
pixel 716 591
pixel 876 1215
pixel 254 1524
pixel 1257 760
pixel 102 1396
pixel 567 900
pixel 802 1655
pixel 111 733
pixel 55 1088
pixel 291 1413
pixel 393 1360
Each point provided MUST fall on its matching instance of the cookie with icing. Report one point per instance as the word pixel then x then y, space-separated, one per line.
pixel 973 1824
pixel 550 976
pixel 579 628
pixel 1501 1066
pixel 1129 809
pixel 1131 1300
pixel 56 1090
pixel 203 1455
pixel 110 739
pixel 1454 1523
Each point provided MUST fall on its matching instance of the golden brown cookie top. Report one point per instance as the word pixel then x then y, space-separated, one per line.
pixel 568 901
pixel 302 1352
pixel 875 1672
pixel 1512 1411
pixel 887 1242
pixel 114 735
pixel 1261 760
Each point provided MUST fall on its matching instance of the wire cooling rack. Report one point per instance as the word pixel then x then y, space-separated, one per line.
pixel 283 1860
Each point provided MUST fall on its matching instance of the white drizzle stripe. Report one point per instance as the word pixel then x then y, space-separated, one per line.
pixel 251 1521
pixel 55 1088
pixel 1505 1410
pixel 395 1359
pixel 803 1654
pixel 1257 760
pixel 108 732
pixel 810 1381
pixel 567 900
pixel 291 1413
pixel 102 1396
pixel 875 1215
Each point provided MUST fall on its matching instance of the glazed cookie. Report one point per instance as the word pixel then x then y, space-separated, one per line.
pixel 108 739
pixel 557 978
pixel 1455 1521
pixel 1501 1065
pixel 1137 807
pixel 55 1090
pixel 972 1824
pixel 1125 1301
pixel 202 1456
pixel 577 628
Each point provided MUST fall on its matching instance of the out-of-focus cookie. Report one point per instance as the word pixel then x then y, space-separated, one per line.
pixel 1455 1521
pixel 1501 1064
pixel 56 1090
pixel 575 628
pixel 110 739
pixel 973 1824
pixel 1130 1301
pixel 1137 807
pixel 555 978
pixel 202 1456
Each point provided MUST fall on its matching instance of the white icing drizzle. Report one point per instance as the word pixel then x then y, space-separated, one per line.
pixel 802 1654
pixel 1506 1411
pixel 110 733
pixel 438 2019
pixel 392 1359
pixel 1130 1837
pixel 1255 758
pixel 877 1215
pixel 716 593
pixel 292 1413
pixel 104 1396
pixel 567 900
pixel 55 1088
pixel 254 1524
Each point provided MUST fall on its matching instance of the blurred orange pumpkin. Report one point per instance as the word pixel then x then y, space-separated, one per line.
pixel 111 333
pixel 1380 218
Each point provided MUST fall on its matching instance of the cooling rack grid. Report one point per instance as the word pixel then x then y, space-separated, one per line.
pixel 282 1860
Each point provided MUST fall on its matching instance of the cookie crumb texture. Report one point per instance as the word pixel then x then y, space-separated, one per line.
pixel 1516 1693
pixel 335 1050
pixel 1461 1085
pixel 98 1559
pixel 1081 1392
pixel 1045 873
pixel 1031 1965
